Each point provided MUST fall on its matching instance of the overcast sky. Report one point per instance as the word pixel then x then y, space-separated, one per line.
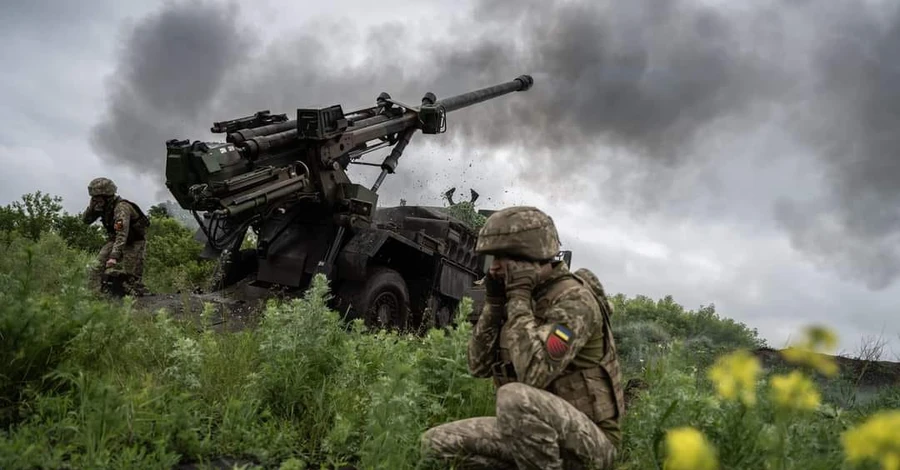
pixel 741 156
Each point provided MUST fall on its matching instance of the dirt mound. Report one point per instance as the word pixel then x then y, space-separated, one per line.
pixel 233 309
pixel 874 374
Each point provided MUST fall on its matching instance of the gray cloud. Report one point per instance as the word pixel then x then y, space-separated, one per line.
pixel 657 83
pixel 644 75
pixel 854 227
pixel 168 75
pixel 635 76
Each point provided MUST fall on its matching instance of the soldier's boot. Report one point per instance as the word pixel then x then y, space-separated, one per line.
pixel 141 290
pixel 135 287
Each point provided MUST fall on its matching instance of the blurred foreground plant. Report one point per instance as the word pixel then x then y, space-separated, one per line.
pixel 688 449
pixel 878 438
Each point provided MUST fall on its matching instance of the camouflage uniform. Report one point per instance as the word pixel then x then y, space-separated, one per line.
pixel 126 229
pixel 545 338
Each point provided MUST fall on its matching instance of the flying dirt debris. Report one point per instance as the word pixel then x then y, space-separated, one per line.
pixel 404 267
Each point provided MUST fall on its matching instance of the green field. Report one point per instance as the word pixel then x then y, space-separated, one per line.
pixel 91 383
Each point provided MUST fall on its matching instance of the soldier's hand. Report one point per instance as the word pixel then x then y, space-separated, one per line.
pixel 110 262
pixel 493 287
pixel 521 277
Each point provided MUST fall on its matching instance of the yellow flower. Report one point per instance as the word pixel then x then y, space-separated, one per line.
pixel 812 350
pixel 735 375
pixel 821 338
pixel 688 449
pixel 804 356
pixel 878 438
pixel 795 391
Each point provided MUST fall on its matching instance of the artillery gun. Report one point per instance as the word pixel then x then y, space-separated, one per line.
pixel 286 180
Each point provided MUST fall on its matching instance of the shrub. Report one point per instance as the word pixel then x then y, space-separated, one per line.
pixel 94 383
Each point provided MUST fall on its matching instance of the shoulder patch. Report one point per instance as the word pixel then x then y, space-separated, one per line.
pixel 558 342
pixel 119 225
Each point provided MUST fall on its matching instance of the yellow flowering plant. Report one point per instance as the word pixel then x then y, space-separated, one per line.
pixel 734 376
pixel 737 415
pixel 877 438
pixel 794 391
pixel 813 350
pixel 688 449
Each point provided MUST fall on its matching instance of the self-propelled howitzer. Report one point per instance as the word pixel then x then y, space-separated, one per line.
pixel 286 180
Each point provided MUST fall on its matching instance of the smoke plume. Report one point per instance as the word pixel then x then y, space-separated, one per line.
pixel 169 73
pixel 853 126
pixel 653 79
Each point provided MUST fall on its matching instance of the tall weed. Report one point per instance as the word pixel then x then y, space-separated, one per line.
pixel 92 383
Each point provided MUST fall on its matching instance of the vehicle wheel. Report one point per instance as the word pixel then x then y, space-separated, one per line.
pixel 383 301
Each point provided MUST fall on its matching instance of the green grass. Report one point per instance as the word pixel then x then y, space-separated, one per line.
pixel 90 383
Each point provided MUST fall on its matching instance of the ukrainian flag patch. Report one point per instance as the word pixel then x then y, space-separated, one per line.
pixel 558 341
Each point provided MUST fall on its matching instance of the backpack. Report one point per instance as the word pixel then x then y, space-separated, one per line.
pixel 589 279
pixel 140 226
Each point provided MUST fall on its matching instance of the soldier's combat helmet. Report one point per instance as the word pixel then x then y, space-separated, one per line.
pixel 102 187
pixel 519 232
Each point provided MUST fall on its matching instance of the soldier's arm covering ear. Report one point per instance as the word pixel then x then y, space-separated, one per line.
pixel 122 224
pixel 483 342
pixel 542 350
pixel 90 214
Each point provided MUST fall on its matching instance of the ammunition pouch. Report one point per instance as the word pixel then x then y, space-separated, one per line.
pixel 591 391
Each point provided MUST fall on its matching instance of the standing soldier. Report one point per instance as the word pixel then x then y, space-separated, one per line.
pixel 545 338
pixel 126 229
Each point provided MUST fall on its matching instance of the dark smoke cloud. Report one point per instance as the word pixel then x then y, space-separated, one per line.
pixel 656 79
pixel 644 75
pixel 853 125
pixel 169 72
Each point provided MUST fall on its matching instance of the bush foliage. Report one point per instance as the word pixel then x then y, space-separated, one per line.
pixel 92 383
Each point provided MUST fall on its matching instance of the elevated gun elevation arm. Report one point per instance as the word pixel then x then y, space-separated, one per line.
pixel 269 162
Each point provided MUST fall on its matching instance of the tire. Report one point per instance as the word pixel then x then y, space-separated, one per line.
pixel 383 300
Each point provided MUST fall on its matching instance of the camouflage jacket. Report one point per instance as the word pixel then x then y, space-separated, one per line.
pixel 124 222
pixel 530 333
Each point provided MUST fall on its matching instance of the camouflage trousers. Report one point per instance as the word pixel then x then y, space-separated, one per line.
pixel 131 265
pixel 533 429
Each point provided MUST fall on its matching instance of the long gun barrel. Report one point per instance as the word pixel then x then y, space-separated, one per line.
pixel 453 103
pixel 362 125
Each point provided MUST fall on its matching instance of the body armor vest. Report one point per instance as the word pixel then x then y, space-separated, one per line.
pixel 137 228
pixel 592 382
